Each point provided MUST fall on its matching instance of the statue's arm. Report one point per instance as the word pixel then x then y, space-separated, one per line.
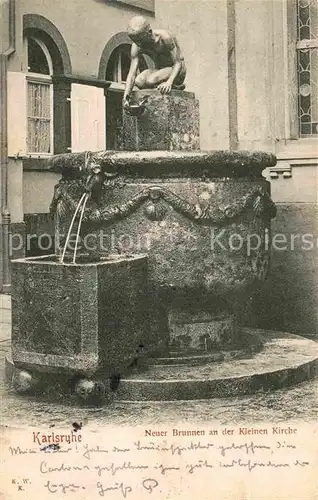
pixel 134 54
pixel 177 59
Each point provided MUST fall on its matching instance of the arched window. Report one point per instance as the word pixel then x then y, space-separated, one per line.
pixel 307 56
pixel 39 59
pixel 39 98
pixel 38 94
pixel 119 63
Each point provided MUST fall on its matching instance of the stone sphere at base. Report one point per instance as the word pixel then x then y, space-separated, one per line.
pixel 22 381
pixel 89 390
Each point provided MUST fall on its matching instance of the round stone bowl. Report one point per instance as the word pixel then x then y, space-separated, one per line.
pixel 203 218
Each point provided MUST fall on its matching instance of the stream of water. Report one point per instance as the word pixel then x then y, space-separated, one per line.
pixel 81 205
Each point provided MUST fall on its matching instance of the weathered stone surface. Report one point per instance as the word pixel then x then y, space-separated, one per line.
pixel 169 122
pixel 90 391
pixel 297 403
pixel 22 381
pixel 244 345
pixel 52 407
pixel 171 164
pixel 193 214
pixel 285 360
pixel 83 318
pixel 199 331
pixel 202 259
pixel 199 242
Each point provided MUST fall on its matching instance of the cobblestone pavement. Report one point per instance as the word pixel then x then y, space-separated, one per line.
pixel 298 403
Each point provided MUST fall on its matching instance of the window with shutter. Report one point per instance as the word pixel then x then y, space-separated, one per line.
pixel 39 99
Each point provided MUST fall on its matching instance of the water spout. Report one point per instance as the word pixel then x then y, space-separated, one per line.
pixel 84 197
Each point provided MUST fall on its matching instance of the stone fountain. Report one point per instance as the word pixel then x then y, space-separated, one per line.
pixel 146 301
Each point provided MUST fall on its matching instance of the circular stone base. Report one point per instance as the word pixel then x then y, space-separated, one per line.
pixel 284 360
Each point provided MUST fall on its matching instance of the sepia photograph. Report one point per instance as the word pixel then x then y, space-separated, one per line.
pixel 158 235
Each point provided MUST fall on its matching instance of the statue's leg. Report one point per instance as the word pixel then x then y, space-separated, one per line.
pixel 150 78
pixel 142 79
pixel 158 76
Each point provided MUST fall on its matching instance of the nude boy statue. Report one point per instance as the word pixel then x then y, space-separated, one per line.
pixel 163 48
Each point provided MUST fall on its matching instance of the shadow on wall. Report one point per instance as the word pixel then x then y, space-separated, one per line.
pixel 287 300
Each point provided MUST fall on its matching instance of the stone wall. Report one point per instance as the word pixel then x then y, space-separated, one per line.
pixel 288 299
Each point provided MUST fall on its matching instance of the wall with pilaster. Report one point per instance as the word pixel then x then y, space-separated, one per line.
pixel 201 29
pixel 260 34
pixel 254 57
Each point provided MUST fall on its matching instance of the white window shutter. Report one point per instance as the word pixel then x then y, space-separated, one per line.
pixel 88 118
pixel 17 114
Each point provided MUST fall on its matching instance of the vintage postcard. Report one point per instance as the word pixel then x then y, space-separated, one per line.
pixel 158 234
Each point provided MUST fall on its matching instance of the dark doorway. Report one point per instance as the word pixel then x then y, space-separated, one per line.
pixel 114 119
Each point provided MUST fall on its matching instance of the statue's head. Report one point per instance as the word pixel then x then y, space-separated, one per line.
pixel 139 30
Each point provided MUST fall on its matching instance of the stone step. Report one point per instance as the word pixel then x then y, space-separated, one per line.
pixel 251 342
pixel 285 360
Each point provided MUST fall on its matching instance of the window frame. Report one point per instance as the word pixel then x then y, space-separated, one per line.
pixel 117 73
pixel 292 143
pixel 310 43
pixel 44 79
pixel 46 53
pixel 118 69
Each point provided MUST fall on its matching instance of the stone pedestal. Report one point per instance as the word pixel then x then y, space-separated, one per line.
pixel 78 319
pixel 169 122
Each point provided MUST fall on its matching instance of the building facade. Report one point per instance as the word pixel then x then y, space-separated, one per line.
pixel 251 63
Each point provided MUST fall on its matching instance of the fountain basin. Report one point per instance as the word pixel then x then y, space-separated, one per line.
pixel 84 318
pixel 194 214
pixel 189 240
